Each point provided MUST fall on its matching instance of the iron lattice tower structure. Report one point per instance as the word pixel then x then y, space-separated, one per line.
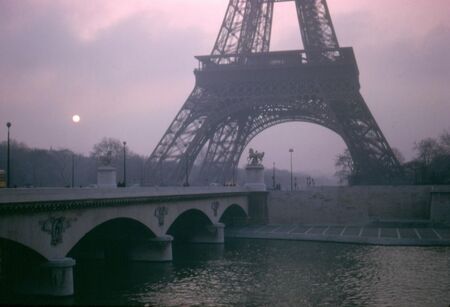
pixel 242 89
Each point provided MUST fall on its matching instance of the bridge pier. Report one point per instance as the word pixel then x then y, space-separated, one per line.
pixel 157 249
pixel 53 278
pixel 212 234
pixel 257 208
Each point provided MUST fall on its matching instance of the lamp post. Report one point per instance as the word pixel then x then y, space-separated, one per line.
pixel 186 157
pixel 273 176
pixel 161 178
pixel 124 164
pixel 233 182
pixel 291 151
pixel 186 183
pixel 8 161
pixel 73 170
pixel 75 119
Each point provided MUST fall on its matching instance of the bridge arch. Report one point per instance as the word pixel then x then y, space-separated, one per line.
pixel 370 156
pixel 16 261
pixel 226 147
pixel 308 109
pixel 234 214
pixel 112 238
pixel 330 132
pixel 96 218
pixel 269 122
pixel 188 224
pixel 229 132
pixel 6 243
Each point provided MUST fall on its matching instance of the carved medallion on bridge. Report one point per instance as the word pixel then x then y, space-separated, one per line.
pixel 215 206
pixel 56 226
pixel 160 214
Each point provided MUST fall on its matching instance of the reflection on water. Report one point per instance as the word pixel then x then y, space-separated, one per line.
pixel 249 272
pixel 255 273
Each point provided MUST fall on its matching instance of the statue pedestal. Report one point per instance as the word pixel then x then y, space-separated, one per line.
pixel 106 177
pixel 254 178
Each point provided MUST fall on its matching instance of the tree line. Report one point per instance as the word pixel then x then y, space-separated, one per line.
pixel 33 167
pixel 430 165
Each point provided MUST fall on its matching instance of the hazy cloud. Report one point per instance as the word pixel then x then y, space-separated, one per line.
pixel 126 68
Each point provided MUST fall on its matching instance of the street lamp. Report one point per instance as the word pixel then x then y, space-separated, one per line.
pixel 233 181
pixel 75 119
pixel 273 176
pixel 73 169
pixel 186 183
pixel 291 151
pixel 186 157
pixel 124 164
pixel 8 161
pixel 161 178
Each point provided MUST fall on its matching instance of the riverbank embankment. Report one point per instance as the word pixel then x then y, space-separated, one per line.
pixel 383 215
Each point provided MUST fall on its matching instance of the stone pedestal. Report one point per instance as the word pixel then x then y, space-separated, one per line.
pixel 213 234
pixel 106 177
pixel 158 249
pixel 254 178
pixel 54 278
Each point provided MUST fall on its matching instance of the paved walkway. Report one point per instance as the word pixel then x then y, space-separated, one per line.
pixel 378 234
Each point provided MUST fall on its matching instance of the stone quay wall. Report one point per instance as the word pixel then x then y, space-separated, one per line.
pixel 358 205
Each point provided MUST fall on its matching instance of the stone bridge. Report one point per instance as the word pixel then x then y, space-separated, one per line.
pixel 43 231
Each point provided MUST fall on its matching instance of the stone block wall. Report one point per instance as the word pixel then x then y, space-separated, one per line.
pixel 440 205
pixel 349 205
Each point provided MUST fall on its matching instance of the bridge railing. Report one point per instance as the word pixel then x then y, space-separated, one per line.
pixel 276 58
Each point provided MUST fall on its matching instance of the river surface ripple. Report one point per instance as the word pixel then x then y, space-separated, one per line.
pixel 273 273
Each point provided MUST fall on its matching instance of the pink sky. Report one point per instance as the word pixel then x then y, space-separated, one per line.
pixel 126 68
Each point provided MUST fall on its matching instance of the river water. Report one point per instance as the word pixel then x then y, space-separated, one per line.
pixel 272 273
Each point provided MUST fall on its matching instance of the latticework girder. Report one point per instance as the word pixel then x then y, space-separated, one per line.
pixel 242 89
pixel 246 28
pixel 316 25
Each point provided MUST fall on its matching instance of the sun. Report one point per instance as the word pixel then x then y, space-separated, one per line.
pixel 76 118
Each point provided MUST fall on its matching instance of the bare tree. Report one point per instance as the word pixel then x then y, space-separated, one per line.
pixel 62 163
pixel 427 150
pixel 398 154
pixel 432 162
pixel 107 148
pixel 345 167
pixel 444 142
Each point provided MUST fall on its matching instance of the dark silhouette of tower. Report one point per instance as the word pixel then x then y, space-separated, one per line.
pixel 242 89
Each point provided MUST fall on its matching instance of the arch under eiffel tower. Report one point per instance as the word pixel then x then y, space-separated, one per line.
pixel 242 89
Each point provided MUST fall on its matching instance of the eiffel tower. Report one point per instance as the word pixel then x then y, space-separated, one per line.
pixel 242 89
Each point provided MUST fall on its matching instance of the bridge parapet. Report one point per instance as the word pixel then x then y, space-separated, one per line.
pixel 51 199
pixel 8 196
